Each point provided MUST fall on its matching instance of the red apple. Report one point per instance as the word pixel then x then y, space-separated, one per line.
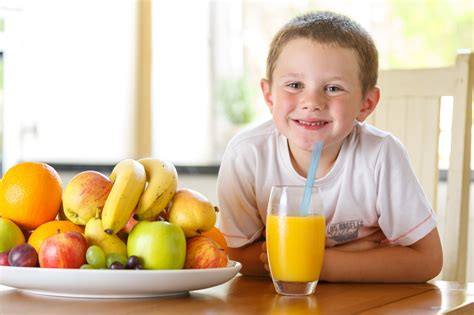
pixel 85 195
pixel 63 250
pixel 132 221
pixel 204 252
pixel 4 258
pixel 130 224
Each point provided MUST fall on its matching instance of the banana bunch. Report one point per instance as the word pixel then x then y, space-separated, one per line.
pixel 129 180
pixel 162 184
pixel 130 191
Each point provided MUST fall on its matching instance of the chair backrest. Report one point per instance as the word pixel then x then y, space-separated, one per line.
pixel 410 109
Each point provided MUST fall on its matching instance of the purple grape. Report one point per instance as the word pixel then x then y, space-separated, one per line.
pixel 23 255
pixel 133 263
pixel 116 265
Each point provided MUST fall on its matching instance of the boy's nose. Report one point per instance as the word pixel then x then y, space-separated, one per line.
pixel 313 102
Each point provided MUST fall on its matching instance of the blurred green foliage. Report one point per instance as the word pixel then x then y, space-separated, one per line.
pixel 432 30
pixel 237 97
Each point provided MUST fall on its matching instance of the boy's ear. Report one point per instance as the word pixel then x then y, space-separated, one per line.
pixel 369 104
pixel 267 93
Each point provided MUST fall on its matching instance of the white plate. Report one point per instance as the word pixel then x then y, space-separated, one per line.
pixel 87 283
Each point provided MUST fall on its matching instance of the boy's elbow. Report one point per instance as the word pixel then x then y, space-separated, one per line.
pixel 434 264
pixel 431 255
pixel 435 267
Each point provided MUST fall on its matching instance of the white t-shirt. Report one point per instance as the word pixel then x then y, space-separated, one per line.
pixel 370 186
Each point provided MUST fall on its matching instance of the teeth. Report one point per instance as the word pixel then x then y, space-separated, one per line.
pixel 316 123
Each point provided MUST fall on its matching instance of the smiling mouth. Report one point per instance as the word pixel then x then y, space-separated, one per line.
pixel 318 123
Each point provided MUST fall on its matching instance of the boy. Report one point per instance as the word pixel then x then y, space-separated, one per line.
pixel 321 85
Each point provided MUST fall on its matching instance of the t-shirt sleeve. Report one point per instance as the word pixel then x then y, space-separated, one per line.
pixel 405 214
pixel 239 219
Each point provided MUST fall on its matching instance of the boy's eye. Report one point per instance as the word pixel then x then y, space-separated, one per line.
pixel 295 85
pixel 332 88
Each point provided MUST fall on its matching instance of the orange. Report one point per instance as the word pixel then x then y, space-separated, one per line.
pixel 51 228
pixel 30 194
pixel 217 236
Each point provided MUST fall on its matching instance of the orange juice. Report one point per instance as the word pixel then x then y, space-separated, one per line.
pixel 295 247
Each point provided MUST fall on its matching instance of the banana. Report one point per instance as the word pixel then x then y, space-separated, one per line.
pixel 129 179
pixel 162 180
pixel 95 235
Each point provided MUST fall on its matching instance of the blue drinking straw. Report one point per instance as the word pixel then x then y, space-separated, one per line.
pixel 313 166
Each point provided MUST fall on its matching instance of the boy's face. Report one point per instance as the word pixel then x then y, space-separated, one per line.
pixel 316 94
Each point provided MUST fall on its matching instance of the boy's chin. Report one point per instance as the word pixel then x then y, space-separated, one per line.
pixel 306 146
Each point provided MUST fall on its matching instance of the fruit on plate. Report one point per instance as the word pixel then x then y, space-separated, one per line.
pixel 133 263
pixel 162 181
pixel 23 255
pixel 4 258
pixel 85 196
pixel 110 243
pixel 95 257
pixel 50 228
pixel 158 245
pixel 30 194
pixel 10 235
pixel 63 250
pixel 218 237
pixel 204 252
pixel 130 224
pixel 116 261
pixel 129 179
pixel 192 212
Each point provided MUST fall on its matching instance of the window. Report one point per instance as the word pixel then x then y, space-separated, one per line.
pixel 70 85
pixel 207 75
pixel 71 70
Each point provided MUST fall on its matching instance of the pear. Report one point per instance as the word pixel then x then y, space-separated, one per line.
pixel 95 235
pixel 192 212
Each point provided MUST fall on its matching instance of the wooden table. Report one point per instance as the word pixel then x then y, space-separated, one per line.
pixel 249 295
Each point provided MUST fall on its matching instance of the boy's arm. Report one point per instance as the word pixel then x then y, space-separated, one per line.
pixel 418 262
pixel 250 257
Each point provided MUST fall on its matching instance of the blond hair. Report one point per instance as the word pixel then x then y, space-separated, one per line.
pixel 333 29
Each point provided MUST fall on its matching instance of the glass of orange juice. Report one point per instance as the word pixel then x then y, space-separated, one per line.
pixel 295 240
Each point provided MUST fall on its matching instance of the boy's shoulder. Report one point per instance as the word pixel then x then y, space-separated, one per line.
pixel 254 135
pixel 369 130
pixel 372 139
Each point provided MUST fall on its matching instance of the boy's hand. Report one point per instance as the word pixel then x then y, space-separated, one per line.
pixel 263 256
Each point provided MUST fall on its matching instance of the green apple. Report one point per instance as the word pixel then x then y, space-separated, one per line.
pixel 158 245
pixel 10 235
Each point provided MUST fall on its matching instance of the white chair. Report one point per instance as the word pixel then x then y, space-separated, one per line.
pixel 410 109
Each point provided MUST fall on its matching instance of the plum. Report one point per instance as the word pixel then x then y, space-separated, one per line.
pixel 23 255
